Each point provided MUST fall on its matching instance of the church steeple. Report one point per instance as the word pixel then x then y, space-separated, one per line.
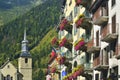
pixel 24 51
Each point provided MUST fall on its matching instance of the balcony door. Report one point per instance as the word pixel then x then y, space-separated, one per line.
pixel 97 38
pixel 114 24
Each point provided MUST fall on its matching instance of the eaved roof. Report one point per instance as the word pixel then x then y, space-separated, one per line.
pixel 6 64
pixel 25 54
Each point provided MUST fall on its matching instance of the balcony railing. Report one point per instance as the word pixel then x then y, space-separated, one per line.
pixel 68 55
pixel 100 16
pixel 88 67
pixel 86 39
pixel 101 62
pixel 79 44
pixel 84 23
pixel 110 33
pixel 91 48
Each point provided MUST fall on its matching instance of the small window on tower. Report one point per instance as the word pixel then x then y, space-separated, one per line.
pixel 26 60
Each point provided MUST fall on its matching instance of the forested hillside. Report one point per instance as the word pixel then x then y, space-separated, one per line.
pixel 38 22
pixel 10 9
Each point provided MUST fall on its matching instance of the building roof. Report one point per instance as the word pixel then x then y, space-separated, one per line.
pixel 8 61
pixel 25 54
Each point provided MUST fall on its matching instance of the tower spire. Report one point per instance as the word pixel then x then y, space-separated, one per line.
pixel 25 34
pixel 24 50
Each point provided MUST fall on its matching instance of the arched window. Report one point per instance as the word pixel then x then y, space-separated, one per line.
pixel 8 77
pixel 26 60
pixel 75 64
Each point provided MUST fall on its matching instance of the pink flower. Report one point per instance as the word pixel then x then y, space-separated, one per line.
pixel 54 40
pixel 63 23
pixel 64 40
pixel 78 2
pixel 81 43
pixel 79 22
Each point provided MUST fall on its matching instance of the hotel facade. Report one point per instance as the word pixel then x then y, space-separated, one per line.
pixel 88 44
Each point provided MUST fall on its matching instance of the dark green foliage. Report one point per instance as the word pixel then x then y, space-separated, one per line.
pixel 38 22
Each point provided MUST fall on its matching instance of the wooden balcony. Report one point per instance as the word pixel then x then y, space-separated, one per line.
pixel 101 62
pixel 100 16
pixel 84 23
pixel 91 48
pixel 110 33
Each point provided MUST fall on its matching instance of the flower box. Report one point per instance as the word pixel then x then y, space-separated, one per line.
pixel 79 45
pixel 63 23
pixel 63 41
pixel 81 2
pixel 66 25
pixel 53 70
pixel 54 42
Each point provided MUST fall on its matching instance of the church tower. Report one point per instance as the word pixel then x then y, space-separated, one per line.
pixel 25 60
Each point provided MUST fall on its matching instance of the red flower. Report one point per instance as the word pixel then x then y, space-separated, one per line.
pixel 79 22
pixel 53 70
pixel 63 23
pixel 54 40
pixel 64 40
pixel 78 2
pixel 74 75
pixel 81 43
pixel 70 77
pixel 62 60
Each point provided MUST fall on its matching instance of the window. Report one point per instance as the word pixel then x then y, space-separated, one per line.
pixel 8 66
pixel 75 64
pixel 70 2
pixel 114 24
pixel 8 77
pixel 70 18
pixel 113 2
pixel 62 33
pixel 96 76
pixel 75 30
pixel 26 60
pixel 87 58
pixel 97 38
pixel 75 11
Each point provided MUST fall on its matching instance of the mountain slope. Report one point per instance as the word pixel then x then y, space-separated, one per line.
pixel 10 9
pixel 41 53
pixel 38 21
